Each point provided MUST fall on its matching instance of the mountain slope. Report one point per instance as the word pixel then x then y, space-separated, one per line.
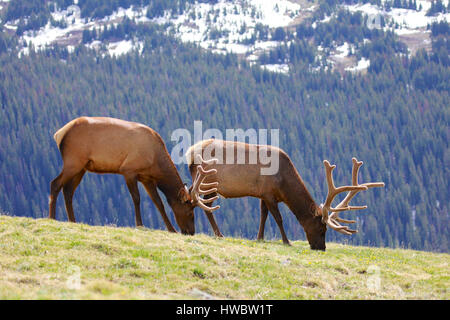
pixel 54 260
pixel 249 28
pixel 398 132
pixel 394 115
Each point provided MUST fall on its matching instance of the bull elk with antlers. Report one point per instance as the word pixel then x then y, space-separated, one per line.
pixel 241 180
pixel 107 145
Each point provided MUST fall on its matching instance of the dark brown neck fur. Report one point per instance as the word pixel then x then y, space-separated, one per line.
pixel 296 196
pixel 170 181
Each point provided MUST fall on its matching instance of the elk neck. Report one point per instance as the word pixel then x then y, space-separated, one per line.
pixel 296 196
pixel 170 182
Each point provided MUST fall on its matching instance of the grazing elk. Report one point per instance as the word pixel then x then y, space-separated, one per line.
pixel 241 180
pixel 107 145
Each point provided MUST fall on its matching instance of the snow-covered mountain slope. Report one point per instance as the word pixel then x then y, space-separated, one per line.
pixel 226 26
pixel 409 24
pixel 71 34
pixel 239 27
pixel 244 27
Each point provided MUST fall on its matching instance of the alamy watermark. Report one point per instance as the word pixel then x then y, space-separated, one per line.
pixel 374 21
pixel 259 150
pixel 74 280
pixel 373 282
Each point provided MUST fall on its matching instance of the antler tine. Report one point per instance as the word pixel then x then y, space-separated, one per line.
pixel 201 161
pixel 333 219
pixel 344 203
pixel 332 193
pixel 332 190
pixel 207 162
pixel 333 224
pixel 205 207
pixel 209 200
pixel 201 175
pixel 373 184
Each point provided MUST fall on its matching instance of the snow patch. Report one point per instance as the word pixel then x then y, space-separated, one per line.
pixel 227 25
pixel 116 49
pixel 120 47
pixel 49 34
pixel 139 14
pixel 10 26
pixel 75 24
pixel 366 8
pixel 363 64
pixel 280 68
pixel 405 21
pixel 344 50
pixel 266 45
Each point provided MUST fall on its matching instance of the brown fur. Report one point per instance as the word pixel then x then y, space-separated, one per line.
pixel 242 180
pixel 107 145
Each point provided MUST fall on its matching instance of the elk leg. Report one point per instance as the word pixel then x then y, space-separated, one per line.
pixel 150 187
pixel 262 222
pixel 55 187
pixel 68 191
pixel 134 191
pixel 210 216
pixel 66 174
pixel 273 208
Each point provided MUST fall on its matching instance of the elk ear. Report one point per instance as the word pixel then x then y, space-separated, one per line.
pixel 315 210
pixel 184 195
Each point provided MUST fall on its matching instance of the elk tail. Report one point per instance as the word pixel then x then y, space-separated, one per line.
pixel 59 135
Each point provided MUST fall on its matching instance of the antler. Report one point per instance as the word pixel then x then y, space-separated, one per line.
pixel 333 219
pixel 196 190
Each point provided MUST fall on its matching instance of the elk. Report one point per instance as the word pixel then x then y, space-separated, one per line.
pixel 137 152
pixel 241 180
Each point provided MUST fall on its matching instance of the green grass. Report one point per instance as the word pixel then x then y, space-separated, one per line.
pixel 45 259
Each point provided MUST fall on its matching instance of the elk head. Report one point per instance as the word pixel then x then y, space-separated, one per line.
pixel 194 196
pixel 328 215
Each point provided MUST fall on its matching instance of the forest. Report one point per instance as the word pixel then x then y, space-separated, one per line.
pixel 394 117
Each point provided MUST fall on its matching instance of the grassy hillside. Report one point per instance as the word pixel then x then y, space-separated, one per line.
pixel 43 259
